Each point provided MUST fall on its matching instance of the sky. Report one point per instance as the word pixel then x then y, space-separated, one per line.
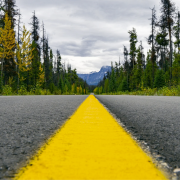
pixel 91 33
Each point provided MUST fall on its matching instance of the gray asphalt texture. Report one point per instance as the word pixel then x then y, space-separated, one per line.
pixel 153 119
pixel 26 123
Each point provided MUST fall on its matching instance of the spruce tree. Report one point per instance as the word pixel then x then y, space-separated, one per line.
pixel 59 65
pixel 75 76
pixel 126 64
pixel 159 79
pixel 47 64
pixel 36 49
pixel 10 8
pixel 2 12
pixel 106 85
pixel 151 40
pixel 176 69
pixel 35 29
pixel 162 43
pixel 51 67
pixel 166 18
pixel 176 29
pixel 139 67
pixel 124 86
pixel 112 84
pixel 133 41
pixel 147 75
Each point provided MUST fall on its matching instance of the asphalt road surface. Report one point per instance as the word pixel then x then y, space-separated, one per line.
pixel 26 122
pixel 153 119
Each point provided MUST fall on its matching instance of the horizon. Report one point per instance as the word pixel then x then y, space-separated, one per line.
pixel 95 71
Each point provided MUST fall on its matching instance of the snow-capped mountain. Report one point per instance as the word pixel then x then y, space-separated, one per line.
pixel 93 78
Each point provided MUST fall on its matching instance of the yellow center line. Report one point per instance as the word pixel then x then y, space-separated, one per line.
pixel 91 145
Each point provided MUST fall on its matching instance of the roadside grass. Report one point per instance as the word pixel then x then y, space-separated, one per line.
pixel 165 91
pixel 8 91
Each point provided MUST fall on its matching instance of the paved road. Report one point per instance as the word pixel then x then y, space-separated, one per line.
pixel 91 146
pixel 155 120
pixel 25 124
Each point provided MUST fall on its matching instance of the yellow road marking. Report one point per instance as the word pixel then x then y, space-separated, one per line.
pixel 91 145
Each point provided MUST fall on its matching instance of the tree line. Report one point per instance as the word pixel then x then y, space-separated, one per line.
pixel 28 64
pixel 161 66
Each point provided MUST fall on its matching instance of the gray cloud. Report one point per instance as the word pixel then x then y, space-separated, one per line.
pixel 110 50
pixel 91 33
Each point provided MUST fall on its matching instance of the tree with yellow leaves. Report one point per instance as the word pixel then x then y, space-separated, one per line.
pixel 24 56
pixel 41 75
pixel 7 45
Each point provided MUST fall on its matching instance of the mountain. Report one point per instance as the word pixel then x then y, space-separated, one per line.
pixel 93 78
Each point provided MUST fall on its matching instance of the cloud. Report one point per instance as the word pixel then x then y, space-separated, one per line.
pixel 91 33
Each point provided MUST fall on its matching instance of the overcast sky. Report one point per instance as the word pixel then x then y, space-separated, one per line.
pixel 91 33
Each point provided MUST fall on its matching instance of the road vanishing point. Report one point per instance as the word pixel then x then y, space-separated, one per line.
pixel 77 137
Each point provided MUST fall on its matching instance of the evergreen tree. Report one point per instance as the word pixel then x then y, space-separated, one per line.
pixel 139 68
pixel 2 12
pixel 147 75
pixel 121 77
pixel 7 45
pixel 59 65
pixel 159 79
pixel 69 73
pixel 36 49
pixel 112 84
pixel 133 50
pixel 166 18
pixel 10 8
pixel 151 40
pixel 75 76
pixel 51 67
pixel 176 29
pixel 132 80
pixel 47 64
pixel 176 69
pixel 162 42
pixel 35 29
pixel 61 84
pixel 106 86
pixel 126 65
pixel 124 86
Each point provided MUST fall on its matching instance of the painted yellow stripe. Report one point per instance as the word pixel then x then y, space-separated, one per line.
pixel 91 145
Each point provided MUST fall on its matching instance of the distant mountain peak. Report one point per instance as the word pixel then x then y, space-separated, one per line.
pixel 105 67
pixel 93 78
pixel 93 72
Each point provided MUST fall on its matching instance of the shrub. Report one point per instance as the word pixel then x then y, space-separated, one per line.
pixel 22 90
pixel 7 90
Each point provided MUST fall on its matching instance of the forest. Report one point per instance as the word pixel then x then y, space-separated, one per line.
pixel 28 65
pixel 158 72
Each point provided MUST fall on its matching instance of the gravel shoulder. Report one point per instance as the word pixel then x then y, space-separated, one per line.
pixel 26 122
